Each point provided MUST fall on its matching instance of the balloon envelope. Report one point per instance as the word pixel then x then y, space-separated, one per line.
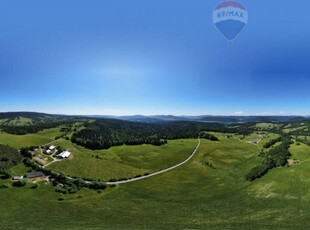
pixel 230 18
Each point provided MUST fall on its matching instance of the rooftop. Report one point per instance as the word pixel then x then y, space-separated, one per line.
pixel 34 175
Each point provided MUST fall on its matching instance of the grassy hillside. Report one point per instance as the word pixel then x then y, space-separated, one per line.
pixel 192 196
pixel 19 141
pixel 122 161
pixel 208 192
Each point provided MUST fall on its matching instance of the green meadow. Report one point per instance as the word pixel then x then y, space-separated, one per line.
pixel 20 141
pixel 193 196
pixel 122 161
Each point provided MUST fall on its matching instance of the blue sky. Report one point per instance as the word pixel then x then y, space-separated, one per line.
pixel 152 57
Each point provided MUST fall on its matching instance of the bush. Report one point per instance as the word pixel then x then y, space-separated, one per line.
pixel 208 136
pixel 73 189
pixel 4 186
pixel 61 190
pixel 97 185
pixel 256 172
pixel 34 186
pixel 20 183
pixel 5 175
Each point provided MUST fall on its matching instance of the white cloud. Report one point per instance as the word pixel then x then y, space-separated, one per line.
pixel 282 112
pixel 239 113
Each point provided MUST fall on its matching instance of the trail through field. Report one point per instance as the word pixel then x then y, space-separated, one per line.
pixel 52 142
pixel 54 160
pixel 159 172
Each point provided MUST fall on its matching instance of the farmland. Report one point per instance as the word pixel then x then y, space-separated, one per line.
pixel 122 161
pixel 201 196
pixel 209 191
pixel 20 141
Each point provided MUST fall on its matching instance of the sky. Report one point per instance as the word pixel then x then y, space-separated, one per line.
pixel 153 57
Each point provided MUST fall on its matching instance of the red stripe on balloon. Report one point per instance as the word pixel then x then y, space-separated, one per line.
pixel 230 3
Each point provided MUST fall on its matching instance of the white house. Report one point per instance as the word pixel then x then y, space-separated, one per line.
pixel 48 152
pixel 52 147
pixel 64 154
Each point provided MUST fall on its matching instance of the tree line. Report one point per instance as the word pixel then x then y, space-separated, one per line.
pixel 272 142
pixel 105 133
pixel 275 157
pixel 9 158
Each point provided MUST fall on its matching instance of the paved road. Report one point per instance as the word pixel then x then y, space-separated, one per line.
pixel 159 172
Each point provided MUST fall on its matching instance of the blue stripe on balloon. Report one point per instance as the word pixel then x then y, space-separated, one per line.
pixel 230 28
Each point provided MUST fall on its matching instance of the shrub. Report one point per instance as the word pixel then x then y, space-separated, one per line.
pixel 5 175
pixel 20 183
pixel 61 190
pixel 4 186
pixel 34 186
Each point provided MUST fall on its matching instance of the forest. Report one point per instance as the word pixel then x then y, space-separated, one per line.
pixel 104 133
pixel 38 122
pixel 275 157
pixel 9 157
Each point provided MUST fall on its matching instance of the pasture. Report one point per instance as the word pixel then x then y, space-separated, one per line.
pixel 190 197
pixel 33 139
pixel 122 161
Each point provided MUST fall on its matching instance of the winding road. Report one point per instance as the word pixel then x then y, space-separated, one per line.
pixel 149 175
pixel 159 172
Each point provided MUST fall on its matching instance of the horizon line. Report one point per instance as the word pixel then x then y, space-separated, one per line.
pixel 159 114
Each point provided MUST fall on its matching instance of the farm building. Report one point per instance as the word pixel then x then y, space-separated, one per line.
pixel 48 152
pixel 16 178
pixel 34 175
pixel 52 147
pixel 64 154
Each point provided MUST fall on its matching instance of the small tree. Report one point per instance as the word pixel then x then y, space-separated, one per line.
pixel 21 183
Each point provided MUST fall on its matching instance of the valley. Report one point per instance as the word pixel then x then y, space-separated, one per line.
pixel 208 191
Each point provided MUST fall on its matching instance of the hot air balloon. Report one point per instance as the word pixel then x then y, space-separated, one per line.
pixel 230 18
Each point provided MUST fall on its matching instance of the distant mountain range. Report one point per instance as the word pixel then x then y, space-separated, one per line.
pixel 207 118
pixel 167 118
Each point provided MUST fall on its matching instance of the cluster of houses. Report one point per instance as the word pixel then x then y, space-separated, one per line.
pixel 52 149
pixel 49 151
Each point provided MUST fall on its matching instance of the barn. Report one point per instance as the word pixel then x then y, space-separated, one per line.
pixel 64 154
pixel 35 175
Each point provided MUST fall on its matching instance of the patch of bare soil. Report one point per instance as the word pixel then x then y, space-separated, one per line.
pixel 293 162
pixel 43 162
pixel 37 180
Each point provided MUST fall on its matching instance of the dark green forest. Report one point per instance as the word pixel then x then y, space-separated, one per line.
pixel 9 157
pixel 275 157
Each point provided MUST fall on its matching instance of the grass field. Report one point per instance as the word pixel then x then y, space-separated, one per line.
pixel 122 161
pixel 194 193
pixel 266 126
pixel 20 170
pixel 190 197
pixel 19 141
